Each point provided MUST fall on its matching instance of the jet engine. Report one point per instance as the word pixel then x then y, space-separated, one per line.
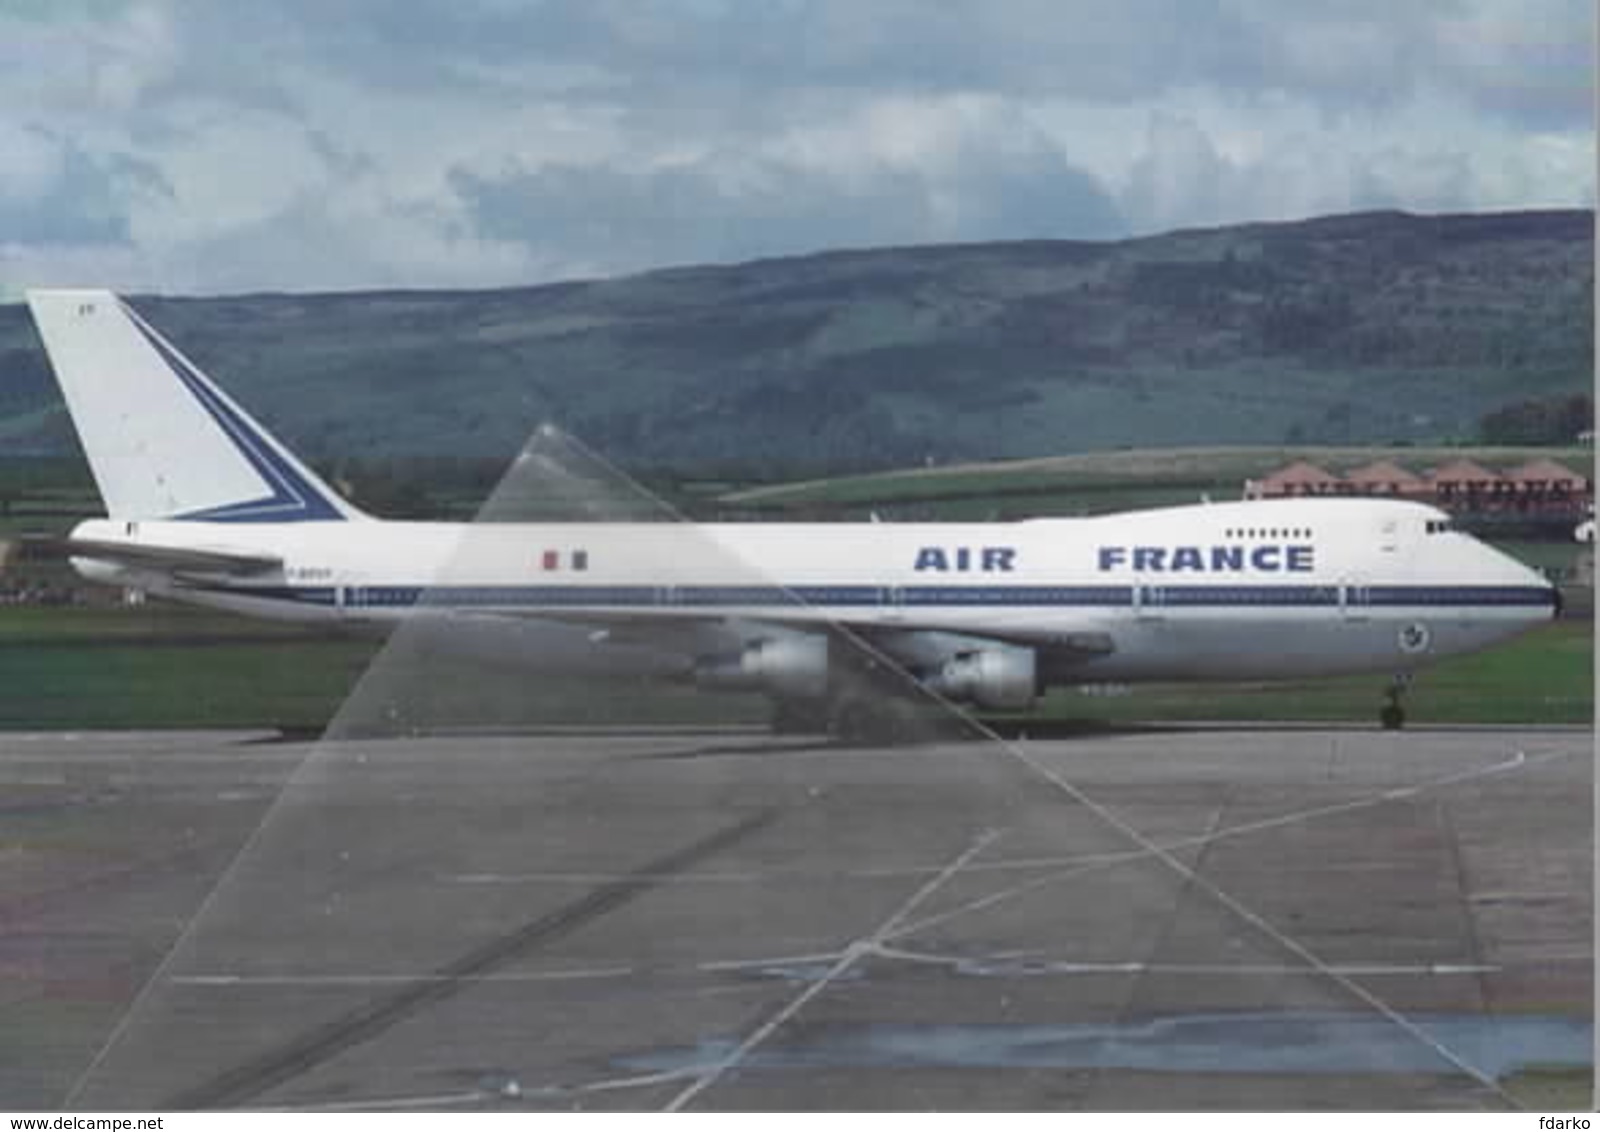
pixel 997 677
pixel 792 667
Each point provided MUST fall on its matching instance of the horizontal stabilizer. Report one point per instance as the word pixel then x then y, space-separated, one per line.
pixel 174 560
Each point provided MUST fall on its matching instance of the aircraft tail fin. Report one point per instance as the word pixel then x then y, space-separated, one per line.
pixel 162 440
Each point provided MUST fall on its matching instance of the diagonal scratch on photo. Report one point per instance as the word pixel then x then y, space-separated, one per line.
pixel 658 558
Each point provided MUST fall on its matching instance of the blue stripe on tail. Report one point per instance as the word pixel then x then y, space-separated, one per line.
pixel 293 499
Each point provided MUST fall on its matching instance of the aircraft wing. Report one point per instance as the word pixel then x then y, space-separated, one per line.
pixel 175 560
pixel 918 646
pixel 907 641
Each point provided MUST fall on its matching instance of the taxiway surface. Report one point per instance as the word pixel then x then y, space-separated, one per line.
pixel 1177 919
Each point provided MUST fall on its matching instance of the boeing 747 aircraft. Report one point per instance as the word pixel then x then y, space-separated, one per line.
pixel 205 506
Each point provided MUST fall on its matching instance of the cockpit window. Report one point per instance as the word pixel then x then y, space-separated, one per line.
pixel 1440 526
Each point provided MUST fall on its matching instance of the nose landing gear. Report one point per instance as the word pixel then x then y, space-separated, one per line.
pixel 1392 716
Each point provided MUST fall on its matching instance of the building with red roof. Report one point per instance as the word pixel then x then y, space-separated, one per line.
pixel 1542 488
pixel 1299 478
pixel 1385 477
pixel 1543 485
pixel 1466 484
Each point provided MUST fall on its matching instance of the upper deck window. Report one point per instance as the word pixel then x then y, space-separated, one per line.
pixel 1268 532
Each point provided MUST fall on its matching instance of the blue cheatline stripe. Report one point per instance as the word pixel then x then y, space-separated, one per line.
pixel 1460 595
pixel 293 498
pixel 302 595
pixel 1189 596
pixel 923 597
pixel 1014 595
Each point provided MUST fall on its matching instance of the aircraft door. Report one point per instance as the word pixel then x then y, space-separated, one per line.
pixel 1355 598
pixel 1389 536
pixel 349 601
pixel 1149 601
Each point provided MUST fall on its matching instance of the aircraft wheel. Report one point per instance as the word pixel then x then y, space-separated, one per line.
pixel 1393 714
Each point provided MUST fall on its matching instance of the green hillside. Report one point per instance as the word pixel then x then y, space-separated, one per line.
pixel 1371 328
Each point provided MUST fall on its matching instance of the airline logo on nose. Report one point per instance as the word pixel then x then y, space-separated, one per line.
pixel 1271 558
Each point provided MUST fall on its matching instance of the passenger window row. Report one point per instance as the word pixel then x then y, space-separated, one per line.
pixel 1267 532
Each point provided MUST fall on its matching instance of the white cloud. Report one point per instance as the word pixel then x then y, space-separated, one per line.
pixel 372 143
pixel 30 161
pixel 71 60
pixel 358 240
pixel 119 266
pixel 898 170
pixel 225 168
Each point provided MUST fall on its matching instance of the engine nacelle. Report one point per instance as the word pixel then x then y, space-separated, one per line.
pixel 792 667
pixel 997 678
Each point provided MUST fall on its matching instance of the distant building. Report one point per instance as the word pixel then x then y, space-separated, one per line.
pixel 1541 488
pixel 1465 485
pixel 1547 474
pixel 1385 477
pixel 1299 478
pixel 1543 485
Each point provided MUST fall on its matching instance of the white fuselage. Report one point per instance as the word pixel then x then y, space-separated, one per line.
pixel 1216 591
pixel 207 506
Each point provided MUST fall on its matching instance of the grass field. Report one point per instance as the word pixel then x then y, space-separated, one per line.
pixel 288 686
pixel 1546 676
pixel 157 667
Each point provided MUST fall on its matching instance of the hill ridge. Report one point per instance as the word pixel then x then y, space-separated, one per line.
pixel 1357 328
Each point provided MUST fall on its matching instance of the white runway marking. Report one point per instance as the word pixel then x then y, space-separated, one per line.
pixel 754 876
pixel 763 963
pixel 1024 964
pixel 362 980
pixel 1036 965
pixel 234 758
pixel 439 1100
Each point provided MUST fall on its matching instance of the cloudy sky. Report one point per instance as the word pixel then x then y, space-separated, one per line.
pixel 200 146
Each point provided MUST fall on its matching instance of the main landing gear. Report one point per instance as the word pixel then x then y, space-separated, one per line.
pixel 1392 716
pixel 857 720
pixel 869 702
pixel 870 717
